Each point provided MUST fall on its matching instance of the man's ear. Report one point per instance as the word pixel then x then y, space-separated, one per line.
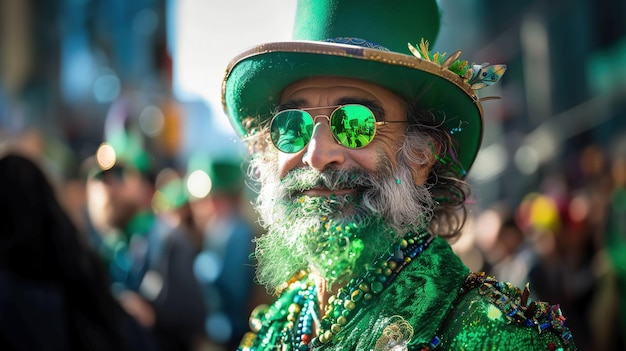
pixel 423 162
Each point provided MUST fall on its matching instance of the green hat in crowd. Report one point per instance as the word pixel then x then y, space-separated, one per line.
pixel 204 176
pixel 130 150
pixel 207 175
pixel 171 193
pixel 382 42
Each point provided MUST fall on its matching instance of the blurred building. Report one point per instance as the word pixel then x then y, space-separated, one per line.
pixel 565 87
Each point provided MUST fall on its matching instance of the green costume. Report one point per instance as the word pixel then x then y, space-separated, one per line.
pixel 431 302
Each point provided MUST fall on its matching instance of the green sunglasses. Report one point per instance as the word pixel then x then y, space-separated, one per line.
pixel 353 126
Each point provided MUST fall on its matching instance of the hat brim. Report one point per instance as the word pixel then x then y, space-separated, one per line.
pixel 255 79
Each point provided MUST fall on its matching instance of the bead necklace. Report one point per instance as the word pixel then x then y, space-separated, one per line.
pixel 290 321
pixel 360 292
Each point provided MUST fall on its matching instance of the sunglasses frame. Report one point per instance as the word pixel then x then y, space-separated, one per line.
pixel 329 118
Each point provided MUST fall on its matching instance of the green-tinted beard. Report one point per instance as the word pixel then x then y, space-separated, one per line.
pixel 332 236
pixel 302 231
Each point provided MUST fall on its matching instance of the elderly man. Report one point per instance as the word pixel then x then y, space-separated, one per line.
pixel 358 215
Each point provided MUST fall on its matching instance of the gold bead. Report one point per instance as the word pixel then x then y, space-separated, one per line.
pixel 294 308
pixel 324 338
pixel 404 244
pixel 342 320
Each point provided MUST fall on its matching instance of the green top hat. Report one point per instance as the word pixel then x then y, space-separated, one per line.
pixel 372 40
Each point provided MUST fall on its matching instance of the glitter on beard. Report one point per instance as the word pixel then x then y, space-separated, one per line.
pixel 339 235
pixel 335 235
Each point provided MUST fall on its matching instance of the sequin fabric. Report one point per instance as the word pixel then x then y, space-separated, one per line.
pixel 493 315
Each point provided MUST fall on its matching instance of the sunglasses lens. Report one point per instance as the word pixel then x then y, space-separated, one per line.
pixel 353 125
pixel 291 130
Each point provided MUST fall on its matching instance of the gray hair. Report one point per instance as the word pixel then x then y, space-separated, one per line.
pixel 447 186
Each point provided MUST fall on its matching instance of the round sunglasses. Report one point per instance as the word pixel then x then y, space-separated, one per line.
pixel 353 126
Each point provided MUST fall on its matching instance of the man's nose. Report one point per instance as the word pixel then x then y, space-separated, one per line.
pixel 323 151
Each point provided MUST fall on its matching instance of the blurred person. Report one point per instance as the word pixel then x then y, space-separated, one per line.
pixel 565 266
pixel 179 307
pixel 54 292
pixel 514 257
pixel 223 266
pixel 148 255
pixel 355 245
pixel 615 246
pixel 126 230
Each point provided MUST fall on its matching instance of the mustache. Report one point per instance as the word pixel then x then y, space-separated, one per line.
pixel 302 179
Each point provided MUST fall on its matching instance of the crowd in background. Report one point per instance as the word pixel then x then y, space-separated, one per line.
pixel 165 250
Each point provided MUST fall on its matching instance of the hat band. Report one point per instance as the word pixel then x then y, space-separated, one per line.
pixel 358 42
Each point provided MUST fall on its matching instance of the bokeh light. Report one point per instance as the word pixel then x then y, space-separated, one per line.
pixel 105 156
pixel 199 184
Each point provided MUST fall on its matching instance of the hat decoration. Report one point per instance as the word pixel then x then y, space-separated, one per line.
pixel 477 76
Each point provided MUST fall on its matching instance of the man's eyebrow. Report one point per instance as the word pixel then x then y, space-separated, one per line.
pixel 376 107
pixel 289 104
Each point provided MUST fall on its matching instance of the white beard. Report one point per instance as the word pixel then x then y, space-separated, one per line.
pixel 301 230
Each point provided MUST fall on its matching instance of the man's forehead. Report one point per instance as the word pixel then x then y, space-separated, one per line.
pixel 335 87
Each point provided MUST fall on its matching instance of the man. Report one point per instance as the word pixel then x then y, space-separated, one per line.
pixel 148 254
pixel 223 267
pixel 356 244
pixel 124 225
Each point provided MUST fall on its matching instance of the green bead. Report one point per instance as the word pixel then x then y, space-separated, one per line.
pixel 364 287
pixel 377 287
pixel 257 317
pixel 357 295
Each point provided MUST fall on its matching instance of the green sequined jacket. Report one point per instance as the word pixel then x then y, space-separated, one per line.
pixel 435 303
